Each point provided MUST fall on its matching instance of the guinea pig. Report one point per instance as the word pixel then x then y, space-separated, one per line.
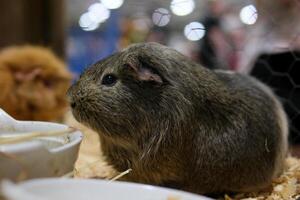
pixel 178 124
pixel 33 83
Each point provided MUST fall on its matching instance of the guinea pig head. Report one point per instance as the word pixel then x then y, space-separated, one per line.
pixel 121 95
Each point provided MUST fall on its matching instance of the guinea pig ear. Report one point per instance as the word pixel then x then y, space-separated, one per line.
pixel 144 73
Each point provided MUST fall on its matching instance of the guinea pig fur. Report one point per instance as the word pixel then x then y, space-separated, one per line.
pixel 33 83
pixel 178 124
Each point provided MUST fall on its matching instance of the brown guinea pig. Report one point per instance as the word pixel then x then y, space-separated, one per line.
pixel 178 124
pixel 33 83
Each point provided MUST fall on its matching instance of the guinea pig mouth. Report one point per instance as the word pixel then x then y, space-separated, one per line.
pixel 73 98
pixel 76 107
pixel 78 112
pixel 77 104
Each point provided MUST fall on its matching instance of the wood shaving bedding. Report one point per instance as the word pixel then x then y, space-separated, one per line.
pixel 285 187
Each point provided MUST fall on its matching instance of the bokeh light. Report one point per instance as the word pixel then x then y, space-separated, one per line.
pixel 182 7
pixel 112 4
pixel 194 31
pixel 161 17
pixel 85 20
pixel 98 13
pixel 248 14
pixel 91 27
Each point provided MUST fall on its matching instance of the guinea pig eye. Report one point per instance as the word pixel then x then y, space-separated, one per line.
pixel 109 80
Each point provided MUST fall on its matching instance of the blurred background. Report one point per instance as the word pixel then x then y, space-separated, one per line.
pixel 259 37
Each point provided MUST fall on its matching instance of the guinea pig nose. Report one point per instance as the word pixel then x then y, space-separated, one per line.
pixel 73 104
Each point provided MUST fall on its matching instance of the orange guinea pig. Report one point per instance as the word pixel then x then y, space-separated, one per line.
pixel 33 83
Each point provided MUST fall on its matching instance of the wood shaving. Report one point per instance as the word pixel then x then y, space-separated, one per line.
pixel 121 175
pixel 285 187
pixel 173 198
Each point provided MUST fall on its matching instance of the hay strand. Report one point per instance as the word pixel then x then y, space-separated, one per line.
pixel 29 136
pixel 121 175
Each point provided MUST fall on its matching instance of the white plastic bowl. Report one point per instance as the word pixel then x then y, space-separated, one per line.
pixel 76 189
pixel 45 157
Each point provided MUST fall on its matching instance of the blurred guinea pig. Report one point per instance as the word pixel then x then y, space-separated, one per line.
pixel 178 124
pixel 33 83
